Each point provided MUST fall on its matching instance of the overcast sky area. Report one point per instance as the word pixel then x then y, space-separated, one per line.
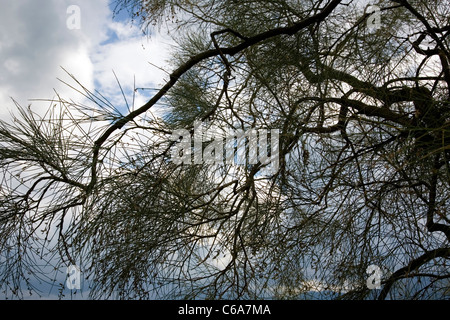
pixel 36 44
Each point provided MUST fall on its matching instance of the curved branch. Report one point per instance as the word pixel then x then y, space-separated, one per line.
pixel 413 265
pixel 431 225
pixel 175 75
pixel 368 110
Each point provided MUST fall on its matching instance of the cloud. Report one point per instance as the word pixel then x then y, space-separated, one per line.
pixel 35 43
pixel 135 60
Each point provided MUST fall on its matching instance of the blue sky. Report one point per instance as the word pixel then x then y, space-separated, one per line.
pixel 35 44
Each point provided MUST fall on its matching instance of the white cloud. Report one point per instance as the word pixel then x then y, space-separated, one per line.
pixel 132 58
pixel 35 43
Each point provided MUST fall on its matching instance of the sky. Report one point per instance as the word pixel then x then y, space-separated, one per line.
pixel 41 39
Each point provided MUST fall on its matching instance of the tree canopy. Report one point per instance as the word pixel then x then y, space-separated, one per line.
pixel 361 98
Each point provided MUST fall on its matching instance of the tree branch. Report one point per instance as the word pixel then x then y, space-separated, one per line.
pixel 175 75
pixel 413 265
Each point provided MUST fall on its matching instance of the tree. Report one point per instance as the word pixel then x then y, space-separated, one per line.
pixel 361 101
